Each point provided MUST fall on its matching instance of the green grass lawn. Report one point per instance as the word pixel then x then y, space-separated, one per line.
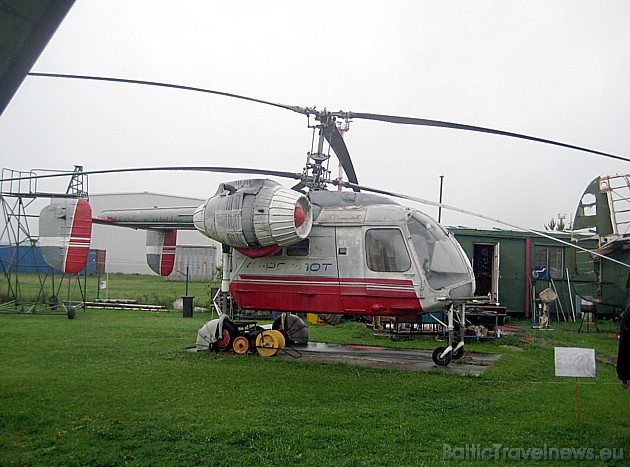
pixel 119 387
pixel 148 290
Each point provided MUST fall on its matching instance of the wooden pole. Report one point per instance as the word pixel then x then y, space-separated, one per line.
pixel 577 400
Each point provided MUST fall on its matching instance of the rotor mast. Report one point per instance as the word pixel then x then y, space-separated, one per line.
pixel 315 174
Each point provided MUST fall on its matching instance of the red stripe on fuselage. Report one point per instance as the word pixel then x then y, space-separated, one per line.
pixel 80 235
pixel 326 294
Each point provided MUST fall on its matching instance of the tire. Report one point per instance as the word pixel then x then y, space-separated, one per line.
pixel 331 319
pixel 441 361
pixel 230 332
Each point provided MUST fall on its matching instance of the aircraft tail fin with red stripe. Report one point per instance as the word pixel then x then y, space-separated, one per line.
pixel 65 230
pixel 161 250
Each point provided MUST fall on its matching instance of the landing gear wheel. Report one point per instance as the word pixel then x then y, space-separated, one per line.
pixel 332 319
pixel 240 345
pixel 458 353
pixel 230 331
pixel 268 343
pixel 441 361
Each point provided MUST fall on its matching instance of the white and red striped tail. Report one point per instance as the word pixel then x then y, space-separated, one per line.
pixel 161 246
pixel 65 230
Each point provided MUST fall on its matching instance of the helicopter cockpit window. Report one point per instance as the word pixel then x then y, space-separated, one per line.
pixel 386 251
pixel 299 249
pixel 440 256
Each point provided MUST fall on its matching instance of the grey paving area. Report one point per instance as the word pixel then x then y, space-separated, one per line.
pixel 394 359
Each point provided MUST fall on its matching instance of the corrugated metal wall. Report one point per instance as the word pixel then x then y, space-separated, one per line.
pixel 126 248
pixel 199 262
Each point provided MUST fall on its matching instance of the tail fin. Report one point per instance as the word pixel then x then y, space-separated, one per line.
pixel 65 229
pixel 161 250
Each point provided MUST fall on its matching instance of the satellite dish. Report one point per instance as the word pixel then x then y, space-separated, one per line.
pixel 547 296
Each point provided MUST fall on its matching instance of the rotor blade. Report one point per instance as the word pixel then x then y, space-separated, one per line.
pixel 347 115
pixel 293 108
pixel 233 170
pixel 460 126
pixel 480 216
pixel 334 138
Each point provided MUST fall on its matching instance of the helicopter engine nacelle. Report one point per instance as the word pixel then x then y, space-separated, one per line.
pixel 257 217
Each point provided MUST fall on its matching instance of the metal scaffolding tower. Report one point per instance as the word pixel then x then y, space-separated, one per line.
pixel 27 285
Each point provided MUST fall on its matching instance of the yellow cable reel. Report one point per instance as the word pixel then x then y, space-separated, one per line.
pixel 269 343
pixel 280 338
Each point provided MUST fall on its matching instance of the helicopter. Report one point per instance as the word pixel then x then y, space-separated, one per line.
pixel 300 249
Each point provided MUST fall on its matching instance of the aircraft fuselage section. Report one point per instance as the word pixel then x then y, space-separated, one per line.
pixel 315 284
pixel 356 260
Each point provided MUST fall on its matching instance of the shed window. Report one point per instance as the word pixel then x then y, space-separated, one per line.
pixel 386 251
pixel 552 258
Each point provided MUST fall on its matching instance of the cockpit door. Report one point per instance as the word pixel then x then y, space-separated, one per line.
pixel 392 282
pixel 350 254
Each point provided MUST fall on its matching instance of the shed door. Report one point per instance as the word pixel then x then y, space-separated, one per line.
pixel 486 269
pixel 495 272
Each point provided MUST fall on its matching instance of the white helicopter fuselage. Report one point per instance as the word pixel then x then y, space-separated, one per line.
pixel 364 255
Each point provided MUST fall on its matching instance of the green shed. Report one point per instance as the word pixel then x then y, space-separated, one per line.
pixel 514 267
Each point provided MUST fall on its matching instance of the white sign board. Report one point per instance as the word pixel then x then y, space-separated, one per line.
pixel 575 362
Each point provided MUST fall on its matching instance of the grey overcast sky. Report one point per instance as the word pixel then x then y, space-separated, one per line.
pixel 558 70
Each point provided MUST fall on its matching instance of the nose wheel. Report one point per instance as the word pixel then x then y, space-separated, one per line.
pixel 443 356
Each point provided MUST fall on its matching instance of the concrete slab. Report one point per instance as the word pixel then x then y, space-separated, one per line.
pixel 393 359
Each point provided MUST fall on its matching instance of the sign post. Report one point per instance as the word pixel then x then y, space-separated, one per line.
pixel 574 362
